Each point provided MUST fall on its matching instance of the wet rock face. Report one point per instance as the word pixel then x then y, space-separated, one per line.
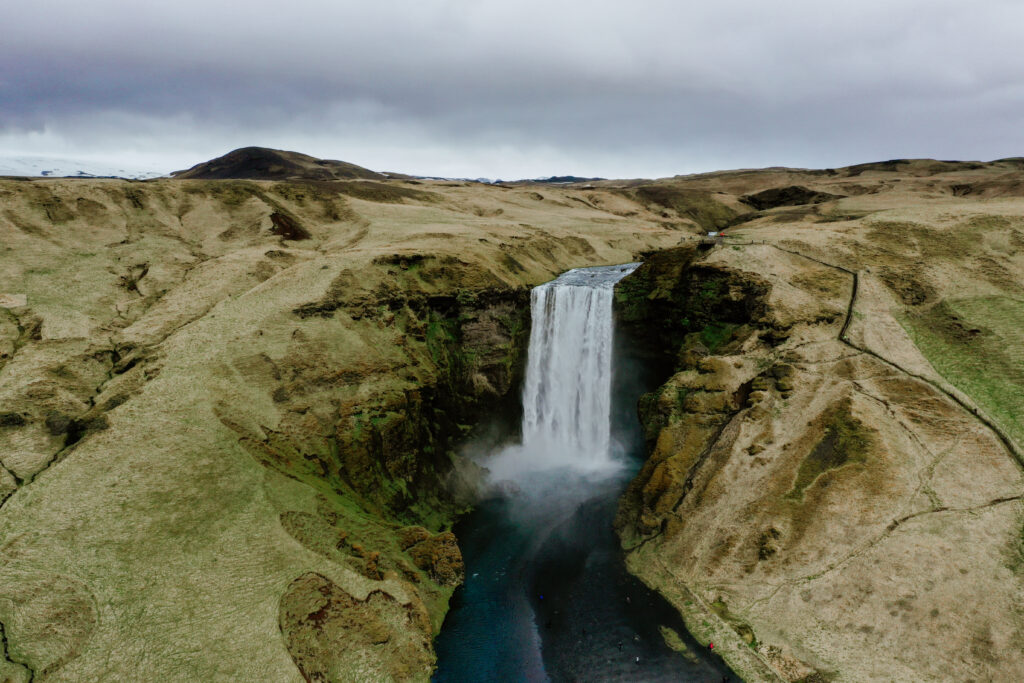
pixel 478 347
pixel 671 296
pixel 391 447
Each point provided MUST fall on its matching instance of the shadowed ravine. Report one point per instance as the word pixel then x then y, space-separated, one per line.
pixel 547 595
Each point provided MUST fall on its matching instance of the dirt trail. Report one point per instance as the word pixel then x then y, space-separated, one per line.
pixel 739 538
pixel 1011 446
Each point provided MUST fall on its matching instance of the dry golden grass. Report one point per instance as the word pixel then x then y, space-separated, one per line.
pixel 158 338
pixel 900 560
pixel 155 351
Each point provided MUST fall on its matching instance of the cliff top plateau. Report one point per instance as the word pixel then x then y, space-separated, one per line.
pixel 233 405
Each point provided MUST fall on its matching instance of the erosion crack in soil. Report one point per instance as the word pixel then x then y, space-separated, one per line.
pixel 5 644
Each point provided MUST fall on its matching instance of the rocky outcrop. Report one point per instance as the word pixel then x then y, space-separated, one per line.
pixel 794 195
pixel 332 634
pixel 438 555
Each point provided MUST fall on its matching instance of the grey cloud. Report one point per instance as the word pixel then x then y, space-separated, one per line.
pixel 666 86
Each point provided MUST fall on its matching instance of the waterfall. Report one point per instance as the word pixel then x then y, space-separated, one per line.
pixel 567 393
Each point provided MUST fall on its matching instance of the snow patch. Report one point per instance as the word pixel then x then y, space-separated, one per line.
pixel 50 167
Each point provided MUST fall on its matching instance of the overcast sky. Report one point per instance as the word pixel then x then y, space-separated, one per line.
pixel 515 88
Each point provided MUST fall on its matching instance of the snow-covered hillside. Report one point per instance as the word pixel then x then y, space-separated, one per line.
pixel 63 168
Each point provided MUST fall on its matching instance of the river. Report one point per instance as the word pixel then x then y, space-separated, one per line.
pixel 547 595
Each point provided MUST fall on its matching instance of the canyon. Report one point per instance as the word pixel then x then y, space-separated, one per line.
pixel 239 418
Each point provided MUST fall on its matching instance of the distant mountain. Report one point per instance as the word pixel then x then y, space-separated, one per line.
pixel 261 163
pixel 49 167
pixel 550 180
pixel 559 179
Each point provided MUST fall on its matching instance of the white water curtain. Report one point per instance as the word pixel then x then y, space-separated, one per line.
pixel 567 393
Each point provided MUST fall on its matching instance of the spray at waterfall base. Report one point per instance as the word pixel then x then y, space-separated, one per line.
pixel 567 393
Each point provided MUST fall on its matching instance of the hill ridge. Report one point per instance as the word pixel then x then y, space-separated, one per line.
pixel 264 163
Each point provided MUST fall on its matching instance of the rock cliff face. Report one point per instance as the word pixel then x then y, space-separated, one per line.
pixel 693 311
pixel 391 450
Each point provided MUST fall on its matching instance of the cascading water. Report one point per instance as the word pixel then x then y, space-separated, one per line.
pixel 567 393
pixel 567 396
pixel 547 596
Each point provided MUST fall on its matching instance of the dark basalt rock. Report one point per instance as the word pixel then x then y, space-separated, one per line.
pixel 287 227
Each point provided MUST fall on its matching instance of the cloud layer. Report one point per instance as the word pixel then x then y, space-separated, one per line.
pixel 476 87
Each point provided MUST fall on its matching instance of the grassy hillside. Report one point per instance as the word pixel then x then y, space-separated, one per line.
pixel 232 410
pixel 231 414
pixel 977 344
pixel 826 497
